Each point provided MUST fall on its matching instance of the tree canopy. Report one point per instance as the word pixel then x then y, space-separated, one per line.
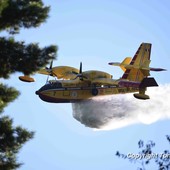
pixel 18 56
pixel 16 14
pixel 11 140
pixel 26 58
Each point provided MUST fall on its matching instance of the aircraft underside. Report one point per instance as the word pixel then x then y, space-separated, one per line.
pixel 71 95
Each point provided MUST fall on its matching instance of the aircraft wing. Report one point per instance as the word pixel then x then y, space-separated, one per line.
pixel 61 72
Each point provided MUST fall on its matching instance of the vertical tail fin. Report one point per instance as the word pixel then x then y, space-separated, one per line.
pixel 140 59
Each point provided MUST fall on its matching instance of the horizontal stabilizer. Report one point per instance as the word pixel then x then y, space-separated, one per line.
pixel 123 64
pixel 157 69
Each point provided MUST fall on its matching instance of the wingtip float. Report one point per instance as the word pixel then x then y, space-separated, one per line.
pixel 77 85
pixel 26 78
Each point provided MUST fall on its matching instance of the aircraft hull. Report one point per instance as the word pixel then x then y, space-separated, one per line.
pixel 72 95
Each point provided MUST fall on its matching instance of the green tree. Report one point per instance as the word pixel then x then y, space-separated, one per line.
pixel 15 14
pixel 17 56
pixel 146 155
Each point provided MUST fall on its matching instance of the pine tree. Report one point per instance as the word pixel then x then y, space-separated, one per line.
pixel 146 155
pixel 17 56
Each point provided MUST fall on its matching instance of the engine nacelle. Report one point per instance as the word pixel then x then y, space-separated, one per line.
pixel 141 96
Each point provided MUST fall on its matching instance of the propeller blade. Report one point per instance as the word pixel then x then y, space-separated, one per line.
pixel 51 64
pixel 49 69
pixel 80 68
pixel 80 75
pixel 74 72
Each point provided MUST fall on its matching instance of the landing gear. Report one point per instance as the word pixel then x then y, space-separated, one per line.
pixel 94 92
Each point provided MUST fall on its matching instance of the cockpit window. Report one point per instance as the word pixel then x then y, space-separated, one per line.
pixel 56 84
pixel 51 85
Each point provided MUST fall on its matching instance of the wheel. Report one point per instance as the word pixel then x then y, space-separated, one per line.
pixel 94 92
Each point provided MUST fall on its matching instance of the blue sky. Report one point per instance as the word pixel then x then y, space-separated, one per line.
pixel 94 32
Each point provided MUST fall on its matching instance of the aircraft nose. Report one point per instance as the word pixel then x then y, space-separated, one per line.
pixel 37 92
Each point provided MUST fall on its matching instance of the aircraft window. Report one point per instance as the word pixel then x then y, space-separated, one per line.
pixel 51 86
pixel 45 87
pixel 56 85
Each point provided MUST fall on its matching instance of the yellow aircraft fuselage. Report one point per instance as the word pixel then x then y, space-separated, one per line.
pixel 55 92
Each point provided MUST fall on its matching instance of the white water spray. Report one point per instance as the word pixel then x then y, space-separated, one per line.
pixel 116 111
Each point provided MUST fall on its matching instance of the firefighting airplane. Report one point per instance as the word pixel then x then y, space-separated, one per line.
pixel 74 85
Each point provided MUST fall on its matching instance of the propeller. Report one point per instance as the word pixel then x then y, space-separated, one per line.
pixel 80 75
pixel 80 72
pixel 49 70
